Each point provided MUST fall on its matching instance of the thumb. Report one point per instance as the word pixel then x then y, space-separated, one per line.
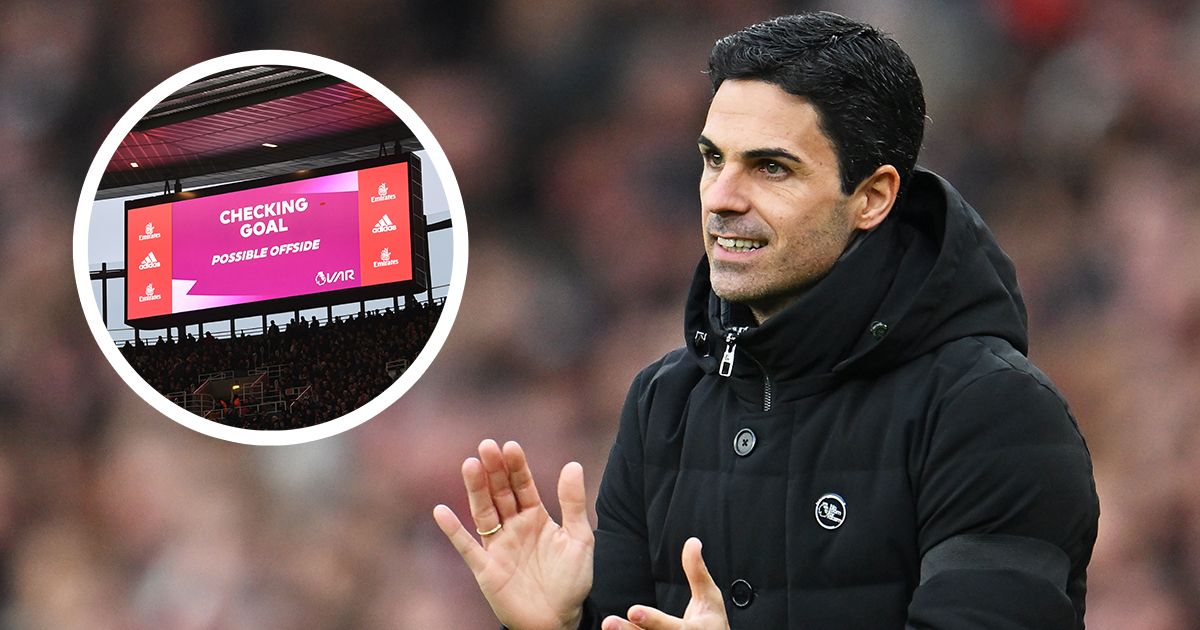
pixel 572 499
pixel 704 589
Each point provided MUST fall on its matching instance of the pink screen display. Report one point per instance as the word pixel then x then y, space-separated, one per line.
pixel 297 238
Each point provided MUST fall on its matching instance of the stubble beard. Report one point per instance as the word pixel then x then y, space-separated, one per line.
pixel 772 285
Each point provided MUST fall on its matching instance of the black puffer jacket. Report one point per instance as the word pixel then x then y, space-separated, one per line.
pixel 881 452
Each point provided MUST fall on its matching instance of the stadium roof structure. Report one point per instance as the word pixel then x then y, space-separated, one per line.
pixel 249 123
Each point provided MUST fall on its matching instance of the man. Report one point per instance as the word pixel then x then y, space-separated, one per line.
pixel 853 429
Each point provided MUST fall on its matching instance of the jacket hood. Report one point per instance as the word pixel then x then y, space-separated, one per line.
pixel 931 273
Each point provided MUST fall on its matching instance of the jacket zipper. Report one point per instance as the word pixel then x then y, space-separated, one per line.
pixel 727 359
pixel 731 337
pixel 766 385
pixel 766 391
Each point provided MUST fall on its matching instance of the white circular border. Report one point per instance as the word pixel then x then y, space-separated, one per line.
pixel 834 497
pixel 458 273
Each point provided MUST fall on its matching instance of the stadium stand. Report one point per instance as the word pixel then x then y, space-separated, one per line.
pixel 303 375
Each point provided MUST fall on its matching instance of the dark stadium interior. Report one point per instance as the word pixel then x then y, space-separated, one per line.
pixel 217 129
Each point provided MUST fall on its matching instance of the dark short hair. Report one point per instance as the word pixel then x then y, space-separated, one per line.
pixel 864 87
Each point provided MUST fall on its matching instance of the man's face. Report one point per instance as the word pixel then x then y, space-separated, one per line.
pixel 773 213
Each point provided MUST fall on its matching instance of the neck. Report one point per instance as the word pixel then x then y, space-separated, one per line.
pixel 763 312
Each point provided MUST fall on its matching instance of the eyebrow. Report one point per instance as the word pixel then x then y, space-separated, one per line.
pixel 753 154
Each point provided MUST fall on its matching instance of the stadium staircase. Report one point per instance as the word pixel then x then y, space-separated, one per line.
pixel 250 387
pixel 396 367
pixel 203 405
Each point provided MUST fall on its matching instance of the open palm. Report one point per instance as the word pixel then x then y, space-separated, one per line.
pixel 534 573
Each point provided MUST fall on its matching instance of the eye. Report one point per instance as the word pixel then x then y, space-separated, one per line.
pixel 713 159
pixel 774 169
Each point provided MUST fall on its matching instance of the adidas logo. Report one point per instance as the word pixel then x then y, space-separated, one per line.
pixel 385 259
pixel 149 262
pixel 150 294
pixel 385 225
pixel 150 233
pixel 383 195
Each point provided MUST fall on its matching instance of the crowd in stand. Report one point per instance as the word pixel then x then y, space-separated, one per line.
pixel 1070 125
pixel 332 368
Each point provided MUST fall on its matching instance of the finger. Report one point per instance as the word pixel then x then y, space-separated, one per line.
pixel 613 622
pixel 463 541
pixel 497 475
pixel 572 498
pixel 648 618
pixel 704 589
pixel 520 478
pixel 483 512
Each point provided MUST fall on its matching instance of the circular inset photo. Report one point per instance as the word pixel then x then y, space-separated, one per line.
pixel 270 247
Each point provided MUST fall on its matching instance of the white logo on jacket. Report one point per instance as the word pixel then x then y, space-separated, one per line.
pixel 831 511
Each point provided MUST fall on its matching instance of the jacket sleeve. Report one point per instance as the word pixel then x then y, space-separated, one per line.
pixel 622 574
pixel 1006 510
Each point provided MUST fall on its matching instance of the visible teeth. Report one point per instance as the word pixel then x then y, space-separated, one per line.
pixel 739 244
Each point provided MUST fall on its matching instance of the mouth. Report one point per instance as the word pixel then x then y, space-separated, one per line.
pixel 739 244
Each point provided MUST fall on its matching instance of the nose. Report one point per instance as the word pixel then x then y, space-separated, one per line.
pixel 725 191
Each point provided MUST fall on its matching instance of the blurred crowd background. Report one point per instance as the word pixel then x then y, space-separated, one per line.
pixel 1073 126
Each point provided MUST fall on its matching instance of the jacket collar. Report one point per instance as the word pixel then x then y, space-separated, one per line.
pixel 811 335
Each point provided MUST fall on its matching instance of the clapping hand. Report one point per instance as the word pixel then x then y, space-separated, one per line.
pixel 705 611
pixel 534 573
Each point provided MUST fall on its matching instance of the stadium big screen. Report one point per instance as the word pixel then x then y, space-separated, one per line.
pixel 312 238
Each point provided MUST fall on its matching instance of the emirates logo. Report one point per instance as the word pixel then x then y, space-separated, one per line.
pixel 150 294
pixel 385 259
pixel 150 233
pixel 383 195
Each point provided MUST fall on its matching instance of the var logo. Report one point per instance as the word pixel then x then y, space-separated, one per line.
pixel 324 278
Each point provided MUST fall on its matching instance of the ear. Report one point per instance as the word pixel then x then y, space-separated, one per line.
pixel 875 196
